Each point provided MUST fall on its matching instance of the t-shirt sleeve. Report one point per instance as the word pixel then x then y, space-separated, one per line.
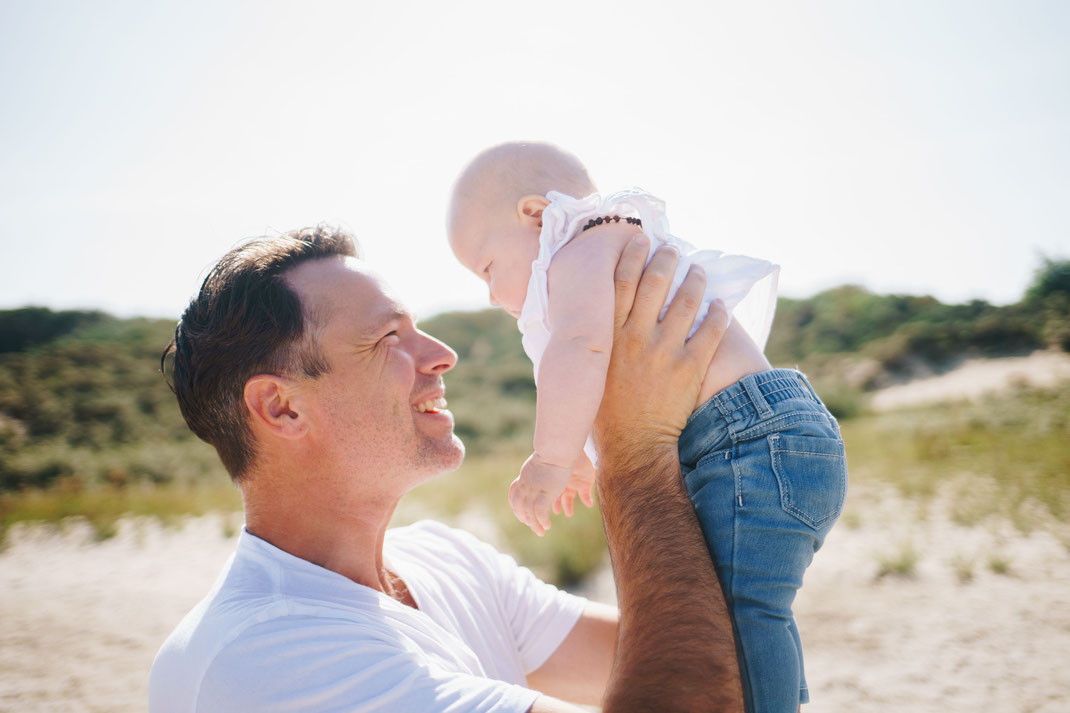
pixel 317 665
pixel 539 615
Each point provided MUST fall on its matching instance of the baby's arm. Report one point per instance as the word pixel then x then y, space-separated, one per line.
pixel 572 373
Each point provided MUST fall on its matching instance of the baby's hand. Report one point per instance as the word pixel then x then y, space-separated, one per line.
pixel 535 490
pixel 581 483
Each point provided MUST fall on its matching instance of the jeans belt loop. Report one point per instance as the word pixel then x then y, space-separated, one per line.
pixel 809 387
pixel 750 385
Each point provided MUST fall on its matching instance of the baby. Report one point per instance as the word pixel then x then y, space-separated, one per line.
pixel 761 456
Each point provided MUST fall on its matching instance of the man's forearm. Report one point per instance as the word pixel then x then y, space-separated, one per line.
pixel 676 650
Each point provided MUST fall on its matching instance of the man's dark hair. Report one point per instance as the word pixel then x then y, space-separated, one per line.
pixel 246 320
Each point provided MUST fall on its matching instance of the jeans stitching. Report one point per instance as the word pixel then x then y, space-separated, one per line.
pixel 778 470
pixel 801 415
pixel 748 402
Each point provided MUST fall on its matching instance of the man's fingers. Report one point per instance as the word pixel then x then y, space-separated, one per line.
pixel 704 342
pixel 685 305
pixel 654 285
pixel 626 277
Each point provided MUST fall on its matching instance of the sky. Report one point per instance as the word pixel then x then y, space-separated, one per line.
pixel 917 147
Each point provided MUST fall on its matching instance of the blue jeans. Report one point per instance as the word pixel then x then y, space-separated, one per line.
pixel 765 467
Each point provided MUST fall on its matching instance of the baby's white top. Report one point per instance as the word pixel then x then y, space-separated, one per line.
pixel 746 285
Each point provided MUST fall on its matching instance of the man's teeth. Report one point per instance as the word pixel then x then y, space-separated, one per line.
pixel 432 406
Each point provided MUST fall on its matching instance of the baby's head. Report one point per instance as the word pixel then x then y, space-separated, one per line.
pixel 495 213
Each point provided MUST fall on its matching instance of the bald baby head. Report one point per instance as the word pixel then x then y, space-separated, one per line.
pixel 499 177
pixel 495 213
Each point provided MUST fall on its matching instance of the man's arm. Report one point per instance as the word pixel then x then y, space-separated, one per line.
pixel 675 648
pixel 579 669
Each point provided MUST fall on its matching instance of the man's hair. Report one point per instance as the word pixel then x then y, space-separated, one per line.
pixel 246 320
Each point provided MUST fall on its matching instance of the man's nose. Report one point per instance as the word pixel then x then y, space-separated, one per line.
pixel 435 356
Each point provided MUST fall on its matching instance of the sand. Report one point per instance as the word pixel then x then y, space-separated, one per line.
pixel 980 621
pixel 83 620
pixel 975 378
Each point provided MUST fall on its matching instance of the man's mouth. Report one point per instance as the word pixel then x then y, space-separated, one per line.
pixel 431 406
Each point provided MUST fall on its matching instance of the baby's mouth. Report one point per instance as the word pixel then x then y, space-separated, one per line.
pixel 431 406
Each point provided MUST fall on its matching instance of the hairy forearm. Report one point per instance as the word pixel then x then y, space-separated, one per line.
pixel 676 650
pixel 572 377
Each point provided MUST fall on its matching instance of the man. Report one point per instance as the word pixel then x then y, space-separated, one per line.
pixel 326 404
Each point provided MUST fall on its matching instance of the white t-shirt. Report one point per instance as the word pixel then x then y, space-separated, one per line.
pixel 747 285
pixel 278 633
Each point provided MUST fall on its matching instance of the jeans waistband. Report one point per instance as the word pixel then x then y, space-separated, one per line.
pixel 742 405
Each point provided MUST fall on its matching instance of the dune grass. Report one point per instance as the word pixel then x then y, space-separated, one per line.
pixel 902 562
pixel 1007 455
pixel 103 506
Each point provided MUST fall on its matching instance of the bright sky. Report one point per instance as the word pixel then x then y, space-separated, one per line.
pixel 913 146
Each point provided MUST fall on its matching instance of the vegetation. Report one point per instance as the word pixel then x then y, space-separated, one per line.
pixel 900 563
pixel 1005 455
pixel 963 567
pixel 849 340
pixel 999 565
pixel 89 427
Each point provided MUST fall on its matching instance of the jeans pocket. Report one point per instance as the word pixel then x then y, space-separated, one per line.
pixel 812 475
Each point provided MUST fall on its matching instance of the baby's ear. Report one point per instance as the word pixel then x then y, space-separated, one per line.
pixel 529 209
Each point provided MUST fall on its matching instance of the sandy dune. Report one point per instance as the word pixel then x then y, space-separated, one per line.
pixel 82 620
pixel 975 378
pixel 982 622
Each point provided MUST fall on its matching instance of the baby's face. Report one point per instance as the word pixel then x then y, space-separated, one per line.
pixel 498 250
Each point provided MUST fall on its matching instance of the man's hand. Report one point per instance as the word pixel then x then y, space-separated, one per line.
pixel 655 372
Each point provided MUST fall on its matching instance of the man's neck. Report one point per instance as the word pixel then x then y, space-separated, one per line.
pixel 344 537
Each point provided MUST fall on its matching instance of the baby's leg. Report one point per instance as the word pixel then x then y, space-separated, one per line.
pixel 765 502
pixel 760 560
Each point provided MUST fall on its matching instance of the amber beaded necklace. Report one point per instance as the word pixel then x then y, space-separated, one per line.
pixel 611 218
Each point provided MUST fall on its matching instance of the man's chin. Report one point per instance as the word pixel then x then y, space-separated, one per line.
pixel 460 453
pixel 443 456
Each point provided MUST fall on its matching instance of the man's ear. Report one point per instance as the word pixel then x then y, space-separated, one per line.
pixel 529 209
pixel 269 399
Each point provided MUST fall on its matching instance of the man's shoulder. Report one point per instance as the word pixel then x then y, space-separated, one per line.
pixel 235 603
pixel 261 595
pixel 452 558
pixel 436 537
pixel 435 543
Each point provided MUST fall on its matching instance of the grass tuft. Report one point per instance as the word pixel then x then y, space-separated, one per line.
pixel 964 568
pixel 998 564
pixel 902 563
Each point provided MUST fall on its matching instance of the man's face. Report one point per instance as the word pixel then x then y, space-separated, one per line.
pixel 381 405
